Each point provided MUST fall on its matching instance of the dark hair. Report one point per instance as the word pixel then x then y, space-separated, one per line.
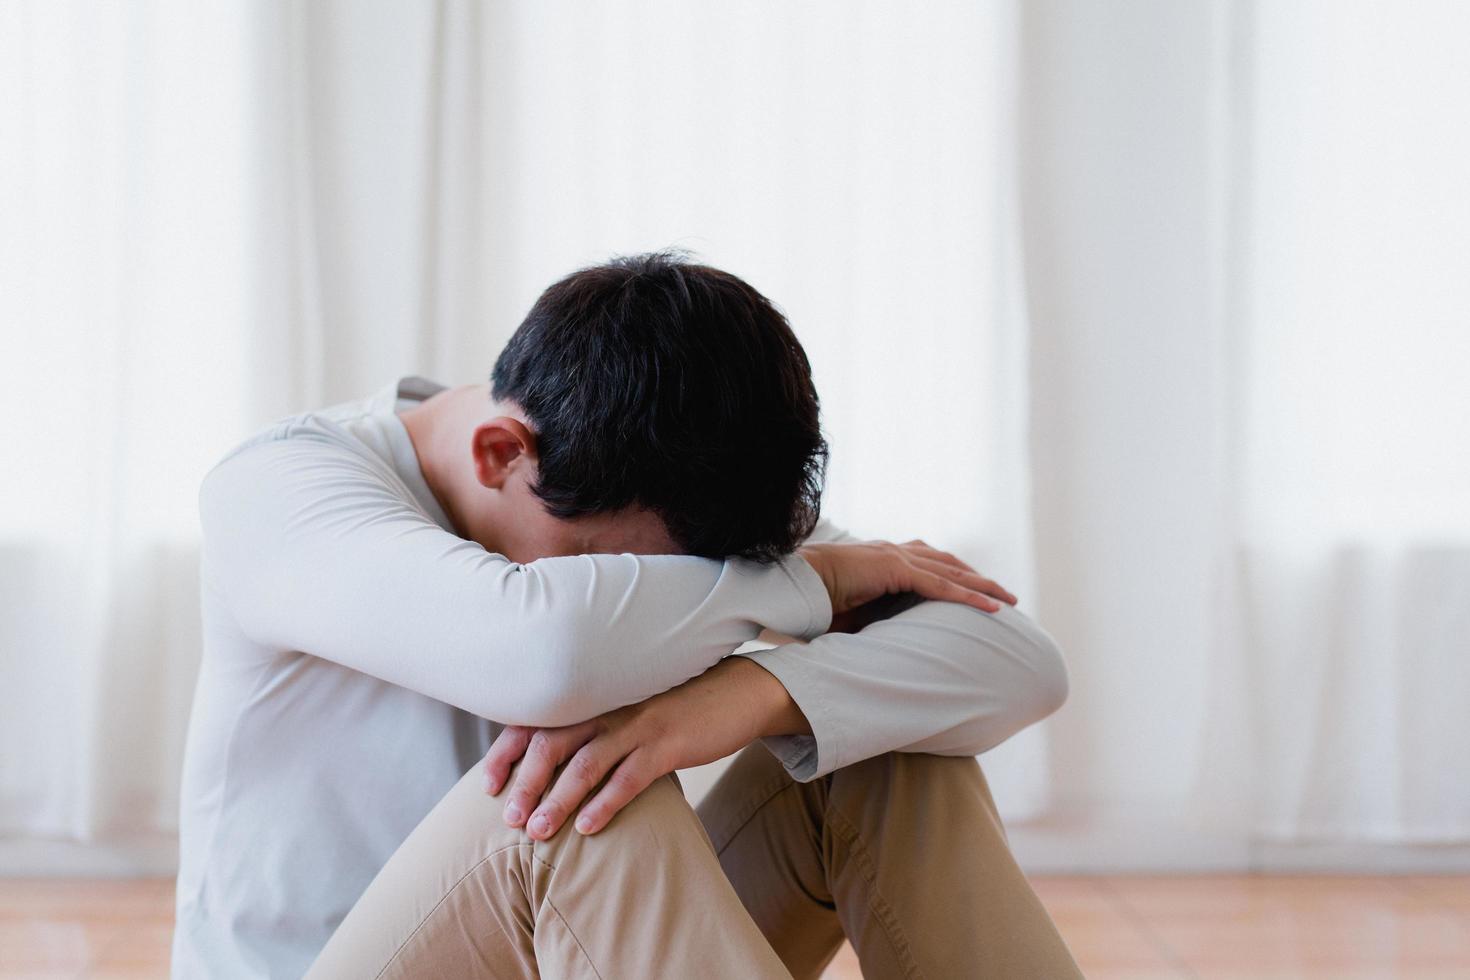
pixel 658 382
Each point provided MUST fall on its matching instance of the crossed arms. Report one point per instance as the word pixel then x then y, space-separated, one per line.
pixel 318 547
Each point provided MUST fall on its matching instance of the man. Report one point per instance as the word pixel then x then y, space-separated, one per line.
pixel 562 565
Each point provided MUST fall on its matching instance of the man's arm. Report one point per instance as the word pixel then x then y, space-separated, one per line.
pixel 936 677
pixel 717 713
pixel 940 677
pixel 315 546
pixel 315 549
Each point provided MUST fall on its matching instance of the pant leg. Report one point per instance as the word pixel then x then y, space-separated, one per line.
pixel 904 853
pixel 465 896
pixel 768 832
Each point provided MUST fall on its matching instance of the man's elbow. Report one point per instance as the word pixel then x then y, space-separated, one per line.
pixel 549 688
pixel 547 703
pixel 1050 683
pixel 1036 687
pixel 555 712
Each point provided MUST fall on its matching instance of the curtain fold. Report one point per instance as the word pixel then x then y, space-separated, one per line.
pixel 1154 311
pixel 122 310
pixel 1343 689
pixel 282 205
pixel 1245 241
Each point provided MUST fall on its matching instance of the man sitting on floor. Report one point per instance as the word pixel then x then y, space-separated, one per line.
pixel 551 573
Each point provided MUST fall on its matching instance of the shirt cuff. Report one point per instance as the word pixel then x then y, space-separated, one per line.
pixel 805 757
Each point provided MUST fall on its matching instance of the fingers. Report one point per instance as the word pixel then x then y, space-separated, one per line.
pixel 970 579
pixel 926 550
pixel 508 747
pixel 590 750
pixel 629 779
pixel 948 566
pixel 547 749
pixel 579 778
pixel 936 580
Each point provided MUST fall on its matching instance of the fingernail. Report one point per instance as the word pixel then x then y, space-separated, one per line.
pixel 540 824
pixel 584 824
pixel 512 813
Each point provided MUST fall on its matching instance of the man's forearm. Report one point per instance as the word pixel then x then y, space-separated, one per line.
pixel 715 713
pixel 706 718
pixel 936 678
pixel 755 691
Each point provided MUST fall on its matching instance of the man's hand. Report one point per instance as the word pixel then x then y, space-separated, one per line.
pixel 705 718
pixel 857 573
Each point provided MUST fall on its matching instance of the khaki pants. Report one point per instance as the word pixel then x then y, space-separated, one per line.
pixel 903 853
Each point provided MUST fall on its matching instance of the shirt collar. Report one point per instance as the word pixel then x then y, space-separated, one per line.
pixel 399 395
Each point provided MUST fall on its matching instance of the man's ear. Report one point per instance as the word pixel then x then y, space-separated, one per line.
pixel 499 446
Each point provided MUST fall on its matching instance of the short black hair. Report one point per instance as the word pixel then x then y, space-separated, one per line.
pixel 658 382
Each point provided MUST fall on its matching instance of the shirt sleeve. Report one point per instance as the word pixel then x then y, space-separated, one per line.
pixel 318 547
pixel 936 677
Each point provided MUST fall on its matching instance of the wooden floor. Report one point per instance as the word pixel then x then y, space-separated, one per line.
pixel 1119 928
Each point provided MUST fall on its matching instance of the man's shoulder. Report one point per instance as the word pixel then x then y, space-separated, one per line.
pixel 319 427
pixel 354 440
pixel 323 446
pixel 331 426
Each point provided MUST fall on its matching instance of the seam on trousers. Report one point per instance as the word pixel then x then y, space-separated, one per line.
pixel 444 898
pixel 570 932
pixel 882 911
pixel 782 782
pixel 826 902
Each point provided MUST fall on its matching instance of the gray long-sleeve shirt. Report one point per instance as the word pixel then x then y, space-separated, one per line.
pixel 359 656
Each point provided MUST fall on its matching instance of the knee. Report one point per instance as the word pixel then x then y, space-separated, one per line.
pixel 909 781
pixel 663 799
pixel 659 824
pixel 905 770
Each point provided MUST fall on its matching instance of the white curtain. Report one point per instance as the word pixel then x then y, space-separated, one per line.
pixel 1247 240
pixel 1347 673
pixel 1154 309
pixel 123 196
pixel 220 216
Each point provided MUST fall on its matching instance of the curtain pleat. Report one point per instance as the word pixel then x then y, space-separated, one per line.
pixel 289 205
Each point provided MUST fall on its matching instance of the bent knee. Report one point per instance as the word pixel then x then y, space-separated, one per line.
pixel 661 803
pixel 895 765
pixel 658 828
pixel 912 775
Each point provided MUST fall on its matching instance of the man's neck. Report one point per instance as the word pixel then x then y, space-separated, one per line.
pixel 440 429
